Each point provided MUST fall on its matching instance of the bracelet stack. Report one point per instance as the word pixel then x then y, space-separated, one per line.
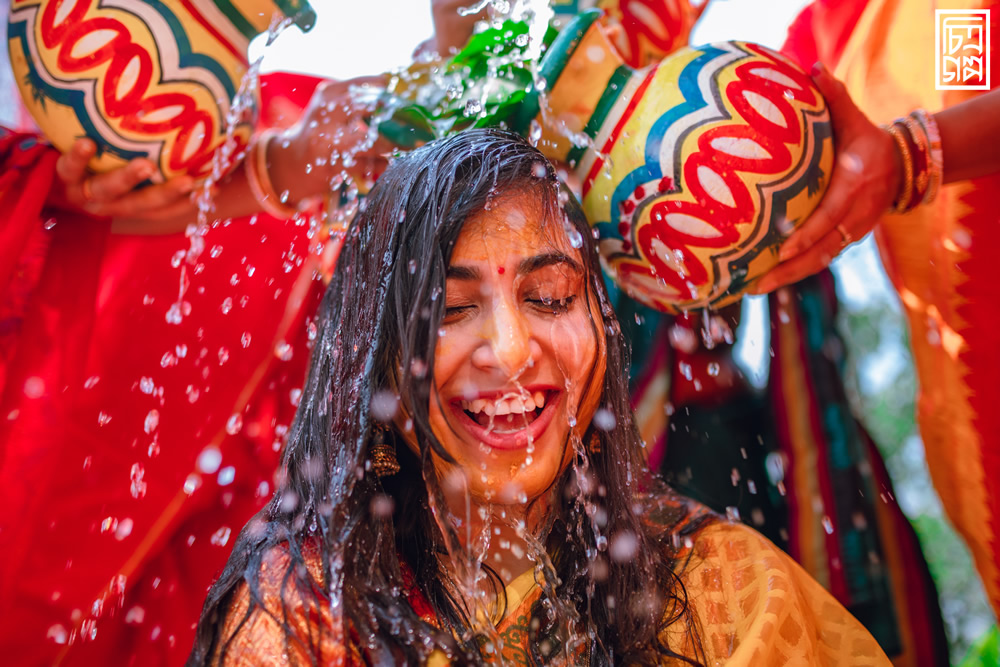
pixel 259 179
pixel 919 144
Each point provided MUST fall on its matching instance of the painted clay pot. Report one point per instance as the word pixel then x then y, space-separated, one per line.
pixel 151 79
pixel 697 166
pixel 643 31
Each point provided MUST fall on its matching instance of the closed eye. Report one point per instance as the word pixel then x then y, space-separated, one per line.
pixel 554 306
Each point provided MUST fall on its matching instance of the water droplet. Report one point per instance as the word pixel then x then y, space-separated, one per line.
pixel 227 305
pixel 827 525
pixel 215 251
pixel 713 369
pixel 384 405
pixel 91 382
pixel 135 616
pixel 221 536
pixel 245 339
pixel 124 529
pixel 103 418
pixel 152 421
pixel 227 475
pixel 623 546
pixel 210 459
pixel 57 634
pixel 472 108
pixel 733 513
pixel 534 132
pixel 234 424
pixel 34 387
pixel 109 524
pixel 289 501
pixel 223 355
pixel 283 350
pixel 604 419
pixel 146 385
pixel 295 396
pixel 382 506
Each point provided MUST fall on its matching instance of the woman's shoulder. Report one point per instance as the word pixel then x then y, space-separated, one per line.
pixel 280 614
pixel 754 605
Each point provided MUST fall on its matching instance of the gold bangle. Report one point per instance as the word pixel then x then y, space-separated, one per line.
pixel 936 155
pixel 259 179
pixel 901 203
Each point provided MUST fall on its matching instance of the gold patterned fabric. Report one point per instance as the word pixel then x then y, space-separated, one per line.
pixel 751 604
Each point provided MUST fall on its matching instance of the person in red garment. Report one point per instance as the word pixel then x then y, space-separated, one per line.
pixel 135 443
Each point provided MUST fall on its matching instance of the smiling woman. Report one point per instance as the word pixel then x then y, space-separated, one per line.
pixel 467 330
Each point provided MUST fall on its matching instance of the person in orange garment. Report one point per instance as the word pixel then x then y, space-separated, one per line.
pixel 939 255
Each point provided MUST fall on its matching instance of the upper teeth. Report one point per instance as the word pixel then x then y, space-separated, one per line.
pixel 513 405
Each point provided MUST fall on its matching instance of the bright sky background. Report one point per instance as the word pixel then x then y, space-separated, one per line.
pixel 356 38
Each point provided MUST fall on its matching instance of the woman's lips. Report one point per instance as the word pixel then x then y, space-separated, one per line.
pixel 523 430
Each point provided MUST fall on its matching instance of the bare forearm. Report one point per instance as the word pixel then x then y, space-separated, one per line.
pixel 970 137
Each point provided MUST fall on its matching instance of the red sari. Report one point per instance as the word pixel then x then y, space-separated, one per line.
pixel 133 450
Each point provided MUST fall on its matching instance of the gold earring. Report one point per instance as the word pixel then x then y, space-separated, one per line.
pixel 595 443
pixel 384 453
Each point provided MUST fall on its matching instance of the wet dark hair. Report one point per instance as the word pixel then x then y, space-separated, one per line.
pixel 378 330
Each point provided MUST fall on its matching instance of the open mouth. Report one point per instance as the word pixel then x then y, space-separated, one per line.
pixel 510 420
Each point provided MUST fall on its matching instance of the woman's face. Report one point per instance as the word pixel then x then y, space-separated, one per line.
pixel 518 359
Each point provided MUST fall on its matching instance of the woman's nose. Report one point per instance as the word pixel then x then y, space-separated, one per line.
pixel 508 345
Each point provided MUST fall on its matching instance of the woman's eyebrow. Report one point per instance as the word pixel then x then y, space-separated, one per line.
pixel 464 273
pixel 537 262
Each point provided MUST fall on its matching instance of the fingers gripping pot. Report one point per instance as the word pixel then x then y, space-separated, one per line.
pixel 151 79
pixel 693 169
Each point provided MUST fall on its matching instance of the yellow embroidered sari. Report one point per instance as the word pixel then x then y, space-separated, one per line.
pixel 752 606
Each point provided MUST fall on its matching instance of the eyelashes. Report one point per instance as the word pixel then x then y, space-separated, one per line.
pixel 544 304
